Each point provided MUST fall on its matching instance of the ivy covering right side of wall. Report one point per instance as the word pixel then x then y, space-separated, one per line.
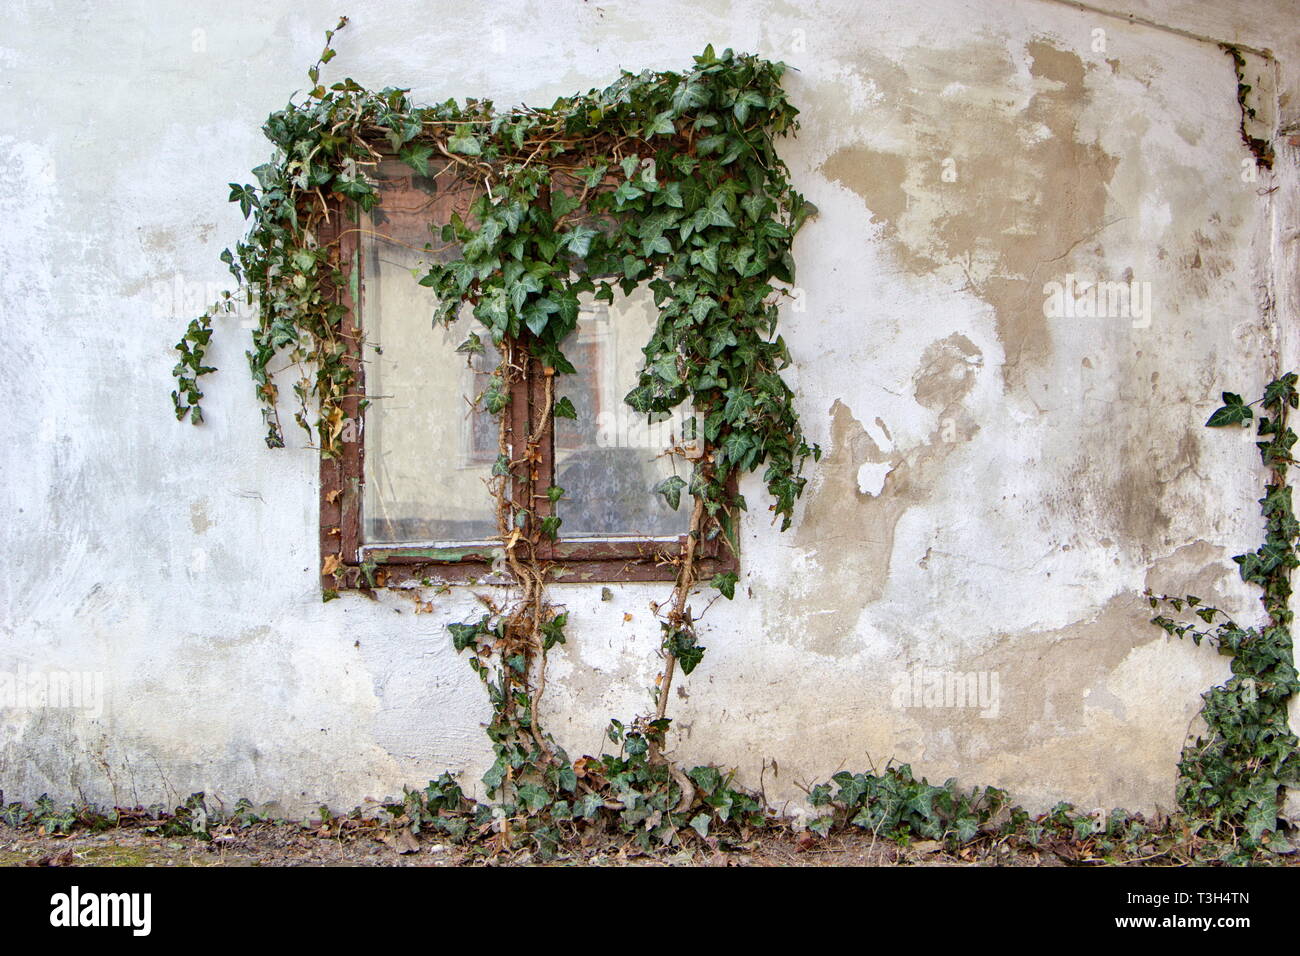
pixel 1232 779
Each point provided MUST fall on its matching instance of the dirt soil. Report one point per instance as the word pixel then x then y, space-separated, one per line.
pixel 288 844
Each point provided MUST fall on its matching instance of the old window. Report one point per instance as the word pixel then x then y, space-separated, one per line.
pixel 409 500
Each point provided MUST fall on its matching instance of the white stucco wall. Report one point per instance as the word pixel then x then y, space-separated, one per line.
pixel 998 487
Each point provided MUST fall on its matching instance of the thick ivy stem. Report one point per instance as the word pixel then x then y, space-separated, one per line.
pixel 534 601
pixel 681 591
pixel 677 618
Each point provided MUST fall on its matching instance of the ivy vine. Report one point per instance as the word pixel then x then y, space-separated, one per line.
pixel 670 180
pixel 1233 778
pixel 1260 148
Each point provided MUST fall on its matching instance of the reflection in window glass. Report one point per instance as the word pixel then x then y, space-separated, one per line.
pixel 427 453
pixel 610 458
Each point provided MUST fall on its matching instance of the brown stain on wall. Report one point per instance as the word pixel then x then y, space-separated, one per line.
pixel 1043 679
pixel 1063 702
pixel 875 176
pixel 199 520
pixel 1032 202
pixel 841 519
pixel 1203 263
pixel 1065 210
pixel 1126 486
pixel 947 373
pixel 1101 702
pixel 858 528
pixel 1029 200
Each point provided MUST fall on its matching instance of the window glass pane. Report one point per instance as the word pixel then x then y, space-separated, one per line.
pixel 610 458
pixel 427 453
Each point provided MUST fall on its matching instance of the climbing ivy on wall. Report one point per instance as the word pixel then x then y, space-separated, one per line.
pixel 670 180
pixel 1260 148
pixel 666 179
pixel 1233 777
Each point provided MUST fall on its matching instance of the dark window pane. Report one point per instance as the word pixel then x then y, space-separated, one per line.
pixel 610 458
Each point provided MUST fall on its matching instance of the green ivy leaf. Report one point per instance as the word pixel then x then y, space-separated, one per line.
pixel 1233 412
pixel 416 155
pixel 671 489
pixel 464 635
pixel 532 797
pixel 682 645
pixel 553 631
pixel 661 125
pixel 578 239
pixel 464 144
pixel 706 779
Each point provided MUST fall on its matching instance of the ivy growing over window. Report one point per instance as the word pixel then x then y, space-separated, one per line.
pixel 667 179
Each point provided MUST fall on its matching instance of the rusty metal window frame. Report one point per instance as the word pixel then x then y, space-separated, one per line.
pixel 361 566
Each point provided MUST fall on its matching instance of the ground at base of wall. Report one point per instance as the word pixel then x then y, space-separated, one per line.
pixel 288 844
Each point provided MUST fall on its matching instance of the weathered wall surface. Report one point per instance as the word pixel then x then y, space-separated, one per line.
pixel 998 487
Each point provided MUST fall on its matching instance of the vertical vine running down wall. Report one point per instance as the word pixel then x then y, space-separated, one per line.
pixel 1234 777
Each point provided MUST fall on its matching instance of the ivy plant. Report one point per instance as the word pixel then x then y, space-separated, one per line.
pixel 1232 778
pixel 666 179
